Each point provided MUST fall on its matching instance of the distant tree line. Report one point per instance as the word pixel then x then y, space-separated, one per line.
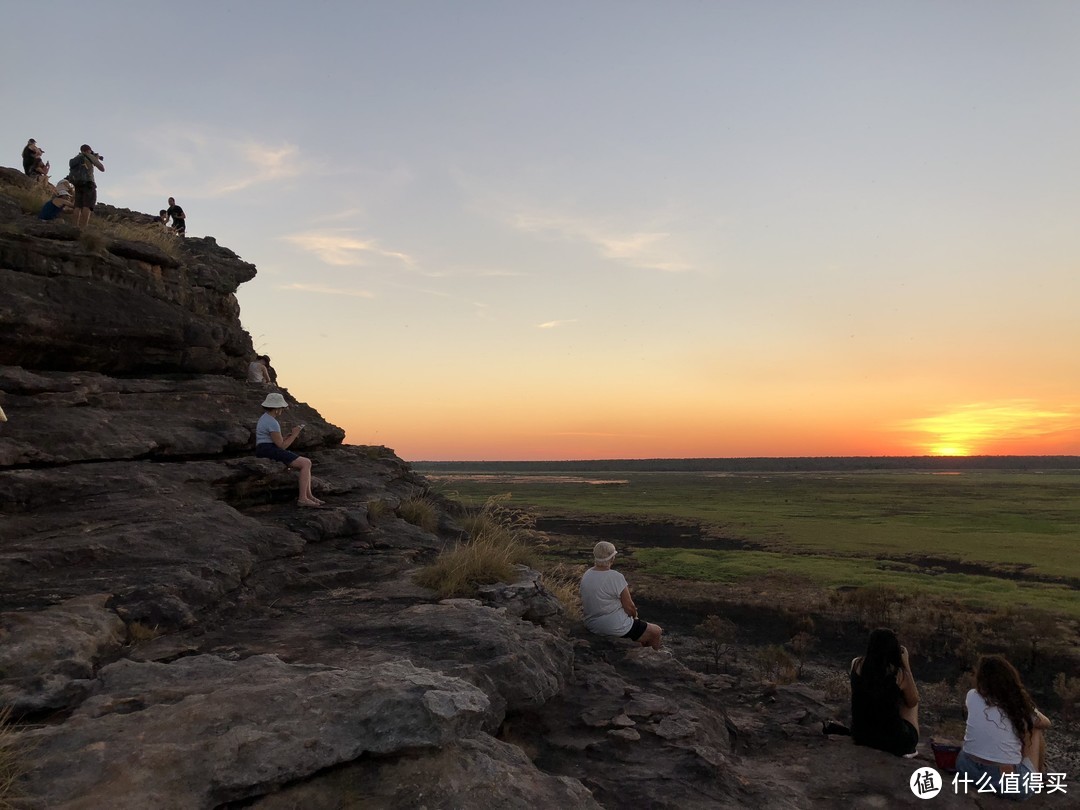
pixel 805 464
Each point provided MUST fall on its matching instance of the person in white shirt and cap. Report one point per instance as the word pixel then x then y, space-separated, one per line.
pixel 606 602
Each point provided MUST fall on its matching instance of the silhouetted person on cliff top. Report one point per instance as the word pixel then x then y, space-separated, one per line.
pixel 33 165
pixel 81 175
pixel 179 218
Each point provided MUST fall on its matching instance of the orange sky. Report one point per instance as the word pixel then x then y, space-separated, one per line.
pixel 570 230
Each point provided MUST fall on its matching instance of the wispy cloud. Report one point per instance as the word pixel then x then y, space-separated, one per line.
pixel 322 289
pixel 555 324
pixel 645 249
pixel 342 249
pixel 588 434
pixel 261 163
pixel 200 162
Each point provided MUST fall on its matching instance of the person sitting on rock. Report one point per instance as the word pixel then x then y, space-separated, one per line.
pixel 163 221
pixel 1004 733
pixel 270 444
pixel 258 371
pixel 884 698
pixel 33 165
pixel 58 203
pixel 605 600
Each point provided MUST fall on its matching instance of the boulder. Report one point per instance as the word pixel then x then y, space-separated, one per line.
pixel 202 731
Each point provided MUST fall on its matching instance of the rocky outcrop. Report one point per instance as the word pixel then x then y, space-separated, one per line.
pixel 176 633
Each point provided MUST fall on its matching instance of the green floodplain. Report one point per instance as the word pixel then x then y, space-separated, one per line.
pixel 997 539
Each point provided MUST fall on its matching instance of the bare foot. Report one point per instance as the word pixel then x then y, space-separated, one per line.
pixel 306 502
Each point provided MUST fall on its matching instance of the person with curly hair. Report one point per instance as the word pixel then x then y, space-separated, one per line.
pixel 884 697
pixel 1004 732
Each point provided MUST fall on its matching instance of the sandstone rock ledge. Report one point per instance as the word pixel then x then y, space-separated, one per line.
pixel 176 633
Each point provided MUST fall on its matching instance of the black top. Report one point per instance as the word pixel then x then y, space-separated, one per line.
pixel 875 716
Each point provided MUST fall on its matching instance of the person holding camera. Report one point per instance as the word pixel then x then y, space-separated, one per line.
pixel 81 175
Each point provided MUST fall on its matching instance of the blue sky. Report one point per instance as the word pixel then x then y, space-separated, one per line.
pixel 500 229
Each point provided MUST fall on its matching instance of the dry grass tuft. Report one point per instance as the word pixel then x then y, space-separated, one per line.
pixel 29 199
pixel 138 632
pixel 377 510
pixel 92 240
pixel 564 581
pixel 419 511
pixel 495 546
pixel 148 233
pixel 13 761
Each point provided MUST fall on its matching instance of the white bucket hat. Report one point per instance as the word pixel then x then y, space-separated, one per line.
pixel 275 401
pixel 604 552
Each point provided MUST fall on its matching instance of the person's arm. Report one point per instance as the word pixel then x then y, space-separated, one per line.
pixel 628 603
pixel 1041 720
pixel 96 161
pixel 265 373
pixel 906 681
pixel 284 443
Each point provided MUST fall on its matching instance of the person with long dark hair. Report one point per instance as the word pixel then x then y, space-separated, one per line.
pixel 884 697
pixel 1004 733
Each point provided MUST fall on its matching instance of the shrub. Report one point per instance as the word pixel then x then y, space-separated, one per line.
pixel 716 636
pixel 419 511
pixel 494 548
pixel 1068 689
pixel 776 665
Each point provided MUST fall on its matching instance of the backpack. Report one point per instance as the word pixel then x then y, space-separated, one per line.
pixel 81 174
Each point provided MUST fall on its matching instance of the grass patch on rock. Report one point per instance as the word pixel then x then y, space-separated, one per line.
pixel 494 546
pixel 13 761
pixel 420 512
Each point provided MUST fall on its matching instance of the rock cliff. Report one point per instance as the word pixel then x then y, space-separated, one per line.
pixel 176 633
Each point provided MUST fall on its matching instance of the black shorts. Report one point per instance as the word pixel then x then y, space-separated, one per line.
pixel 634 633
pixel 899 740
pixel 85 196
pixel 266 450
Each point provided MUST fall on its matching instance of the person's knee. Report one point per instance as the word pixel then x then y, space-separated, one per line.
pixel 301 463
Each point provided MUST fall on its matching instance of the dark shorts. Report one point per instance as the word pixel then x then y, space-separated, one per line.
pixel 85 196
pixel 180 226
pixel 634 633
pixel 901 739
pixel 276 453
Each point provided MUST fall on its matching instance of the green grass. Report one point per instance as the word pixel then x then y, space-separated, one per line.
pixel 705 565
pixel 833 528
